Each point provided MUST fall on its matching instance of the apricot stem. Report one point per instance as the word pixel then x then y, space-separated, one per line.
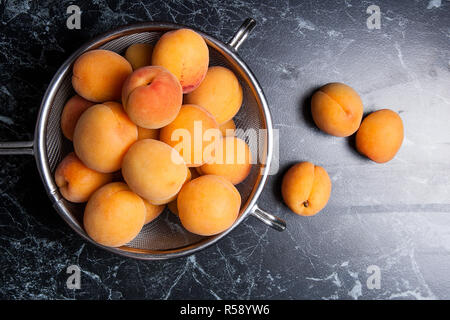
pixel 306 203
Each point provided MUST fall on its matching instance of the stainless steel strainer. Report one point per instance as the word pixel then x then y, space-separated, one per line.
pixel 163 238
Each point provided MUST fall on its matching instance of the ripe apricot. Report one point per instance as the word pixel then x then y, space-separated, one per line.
pixel 337 109
pixel 172 205
pixel 103 135
pixel 139 55
pixel 144 133
pixel 184 53
pixel 77 182
pixel 193 133
pixel 220 93
pixel 228 128
pixel 98 75
pixel 208 205
pixel 154 170
pixel 380 136
pixel 194 173
pixel 306 188
pixel 72 111
pixel 152 97
pixel 232 160
pixel 152 211
pixel 114 215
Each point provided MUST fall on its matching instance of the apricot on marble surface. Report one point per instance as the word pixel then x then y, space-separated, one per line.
pixel 337 109
pixel 306 188
pixel 380 136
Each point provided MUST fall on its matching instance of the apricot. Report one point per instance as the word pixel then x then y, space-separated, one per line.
pixel 72 111
pixel 306 188
pixel 232 160
pixel 114 215
pixel 172 205
pixel 184 53
pixel 154 170
pixel 337 109
pixel 77 182
pixel 194 173
pixel 220 93
pixel 103 135
pixel 152 211
pixel 152 97
pixel 199 170
pixel 380 136
pixel 193 133
pixel 208 205
pixel 228 128
pixel 98 75
pixel 144 133
pixel 139 55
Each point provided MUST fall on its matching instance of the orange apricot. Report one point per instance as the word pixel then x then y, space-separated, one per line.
pixel 72 111
pixel 152 97
pixel 184 53
pixel 154 170
pixel 380 136
pixel 139 55
pixel 77 182
pixel 98 75
pixel 194 173
pixel 114 215
pixel 337 109
pixel 144 133
pixel 232 160
pixel 220 93
pixel 194 134
pixel 228 128
pixel 208 205
pixel 152 211
pixel 306 188
pixel 172 205
pixel 103 135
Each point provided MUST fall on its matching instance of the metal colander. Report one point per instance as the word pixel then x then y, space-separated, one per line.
pixel 165 237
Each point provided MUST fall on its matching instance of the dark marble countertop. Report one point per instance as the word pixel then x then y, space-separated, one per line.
pixel 394 216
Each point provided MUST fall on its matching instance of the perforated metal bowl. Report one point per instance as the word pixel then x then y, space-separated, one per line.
pixel 163 238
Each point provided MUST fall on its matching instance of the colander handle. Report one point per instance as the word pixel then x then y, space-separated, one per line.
pixel 242 33
pixel 22 147
pixel 272 221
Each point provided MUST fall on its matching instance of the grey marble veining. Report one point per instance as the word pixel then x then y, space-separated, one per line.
pixel 395 216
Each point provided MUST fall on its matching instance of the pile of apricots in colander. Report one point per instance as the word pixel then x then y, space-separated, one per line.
pixel 154 128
